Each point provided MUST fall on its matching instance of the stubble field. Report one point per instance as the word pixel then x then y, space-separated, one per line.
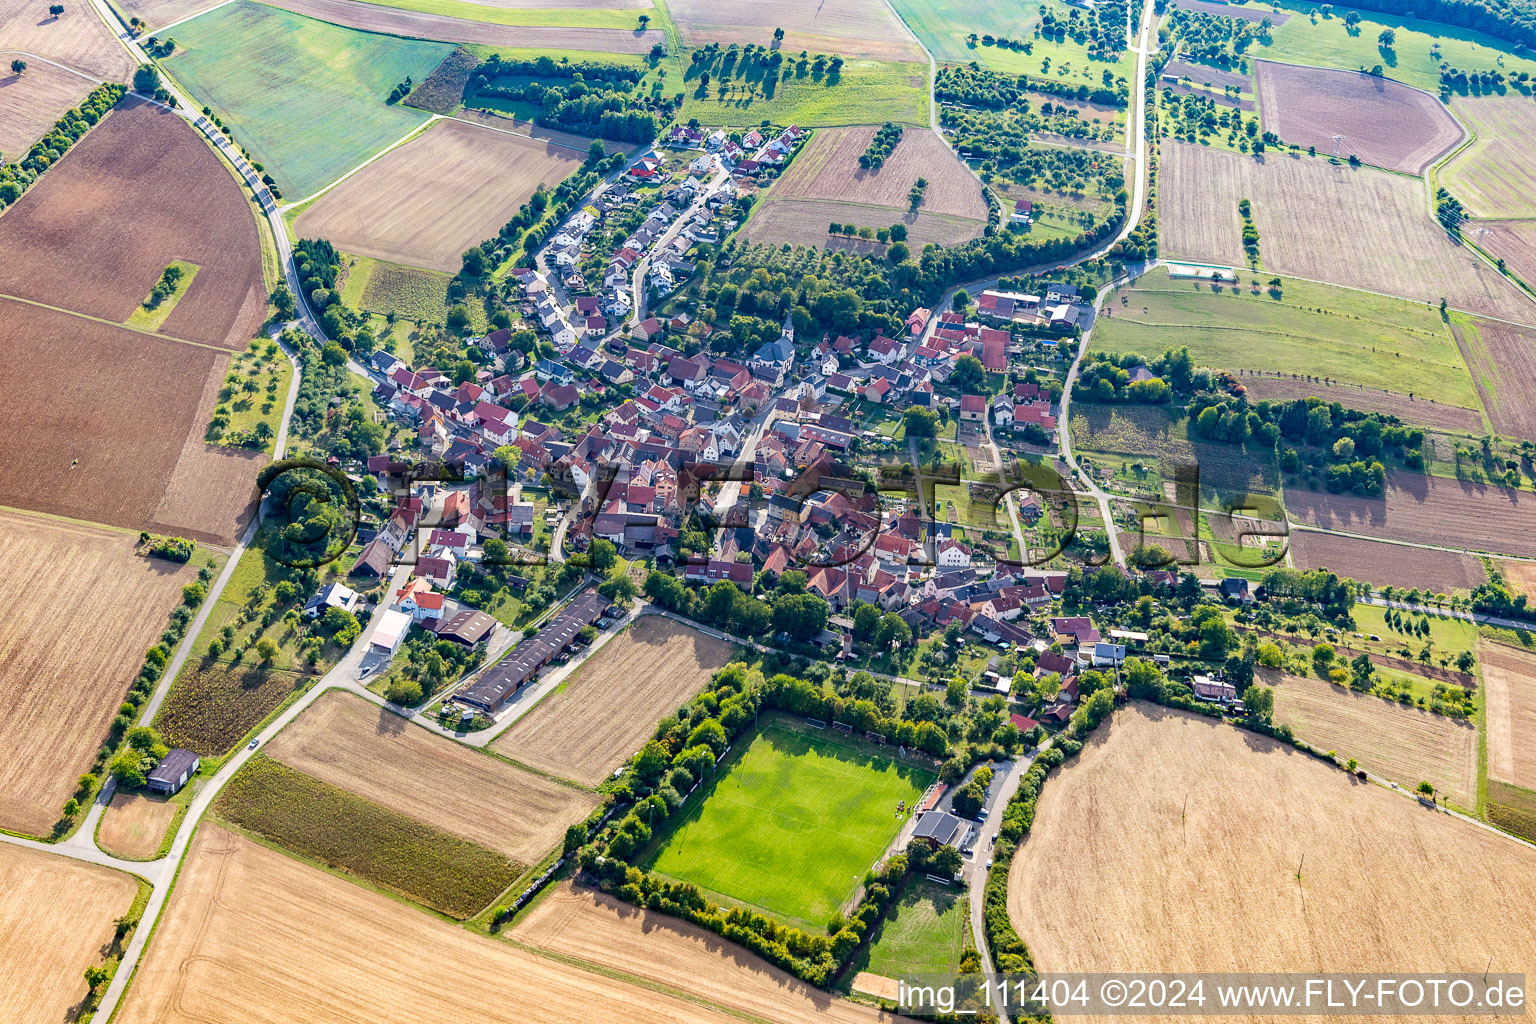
pixel 1379 235
pixel 1386 564
pixel 1383 122
pixel 140 190
pixel 1502 359
pixel 426 202
pixel 854 28
pixel 57 921
pixel 602 715
pixel 1514 242
pixel 30 103
pixel 1120 873
pixel 1509 676
pixel 413 24
pixel 1406 745
pixel 85 608
pixel 350 743
pixel 825 184
pixel 1493 177
pixel 78 38
pixel 249 927
pixel 601 930
pixel 134 824
pixel 1426 510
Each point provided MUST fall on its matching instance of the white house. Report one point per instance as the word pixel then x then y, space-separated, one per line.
pixel 332 595
pixel 951 554
pixel 1108 654
pixel 389 634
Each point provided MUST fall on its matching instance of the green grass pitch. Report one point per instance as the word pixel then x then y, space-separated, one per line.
pixel 792 826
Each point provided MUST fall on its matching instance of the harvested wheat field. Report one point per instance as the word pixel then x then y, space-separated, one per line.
pixel 1509 679
pixel 804 222
pixel 134 824
pixel 140 190
pixel 1513 241
pixel 1387 564
pixel 252 935
pixel 357 746
pixel 69 651
pixel 32 102
pixel 599 929
pixel 1383 122
pixel 1502 360
pixel 610 706
pixel 78 38
pixel 1521 576
pixel 396 21
pixel 1381 238
pixel 1418 411
pixel 426 202
pixel 1426 510
pixel 853 28
pixel 1493 176
pixel 159 13
pixel 1406 745
pixel 1119 874
pixel 55 921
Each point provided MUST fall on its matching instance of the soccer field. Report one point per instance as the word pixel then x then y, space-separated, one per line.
pixel 792 826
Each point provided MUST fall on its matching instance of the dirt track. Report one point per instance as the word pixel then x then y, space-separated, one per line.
pixel 252 935
pixel 31 103
pixel 350 743
pixel 597 719
pixel 1119 873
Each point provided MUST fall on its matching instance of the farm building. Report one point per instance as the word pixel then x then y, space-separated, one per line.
pixel 467 627
pixel 520 665
pixel 173 771
pixel 390 632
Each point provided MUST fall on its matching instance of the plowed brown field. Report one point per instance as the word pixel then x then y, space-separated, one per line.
pixel 348 742
pixel 57 921
pixel 602 715
pixel 1386 564
pixel 1383 122
pixel 253 935
pixel 134 824
pixel 1173 843
pixel 426 202
pixel 853 28
pixel 416 25
pixel 1379 235
pixel 1509 677
pixel 1502 359
pixel 590 926
pixel 1426 510
pixel 78 38
pixel 140 190
pixel 30 103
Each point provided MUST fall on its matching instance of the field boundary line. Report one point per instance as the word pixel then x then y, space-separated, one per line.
pixel 408 137
pixel 504 131
pixel 192 17
pixel 126 327
pixel 54 63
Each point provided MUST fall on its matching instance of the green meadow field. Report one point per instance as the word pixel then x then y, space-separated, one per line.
pixel 305 98
pixel 924 933
pixel 1346 335
pixel 793 825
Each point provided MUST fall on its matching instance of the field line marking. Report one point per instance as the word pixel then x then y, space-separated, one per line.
pixel 504 131
pixel 126 327
pixel 61 67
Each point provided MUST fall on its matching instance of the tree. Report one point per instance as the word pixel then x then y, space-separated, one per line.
pixel 865 619
pixel 619 589
pixel 604 554
pixel 267 650
pixel 1259 702
pixel 920 421
pixel 474 259
pixel 1427 789
pixel 333 354
pixel 18 65
pixel 1387 38
pixel 968 375
pixel 778 35
pixel 1465 661
pixel 458 319
pixel 55 9
pixel 95 975
pixel 961 300
pixel 652 760
pixel 404 692
pixel 146 79
pixel 802 616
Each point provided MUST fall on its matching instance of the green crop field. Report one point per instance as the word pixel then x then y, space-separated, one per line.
pixel 943 26
pixel 411 293
pixel 923 934
pixel 306 99
pixel 318 820
pixel 1318 330
pixel 869 92
pixel 560 17
pixel 792 826
pixel 1309 38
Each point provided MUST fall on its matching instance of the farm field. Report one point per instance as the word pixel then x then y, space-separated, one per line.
pixel 1348 336
pixel 1108 847
pixel 924 933
pixel 1425 510
pixel 139 191
pixel 601 930
pixel 78 38
pixel 342 830
pixel 1513 241
pixel 472 22
pixel 426 202
pixel 869 91
pixel 943 26
pixel 1386 564
pixel 292 943
pixel 68 655
pixel 212 705
pixel 848 27
pixel 1493 176
pixel 134 824
pixel 31 103
pixel 304 97
pixel 58 921
pixel 352 744
pixel 1509 676
pixel 409 292
pixel 1417 410
pixel 648 671
pixel 1383 122
pixel 1406 745
pixel 1381 237
pixel 1502 359
pixel 1521 576
pixel 794 818
pixel 825 184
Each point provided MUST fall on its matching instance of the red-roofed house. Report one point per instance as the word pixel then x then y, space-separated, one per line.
pixel 973 408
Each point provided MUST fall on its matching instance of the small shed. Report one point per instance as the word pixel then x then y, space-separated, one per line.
pixel 173 771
